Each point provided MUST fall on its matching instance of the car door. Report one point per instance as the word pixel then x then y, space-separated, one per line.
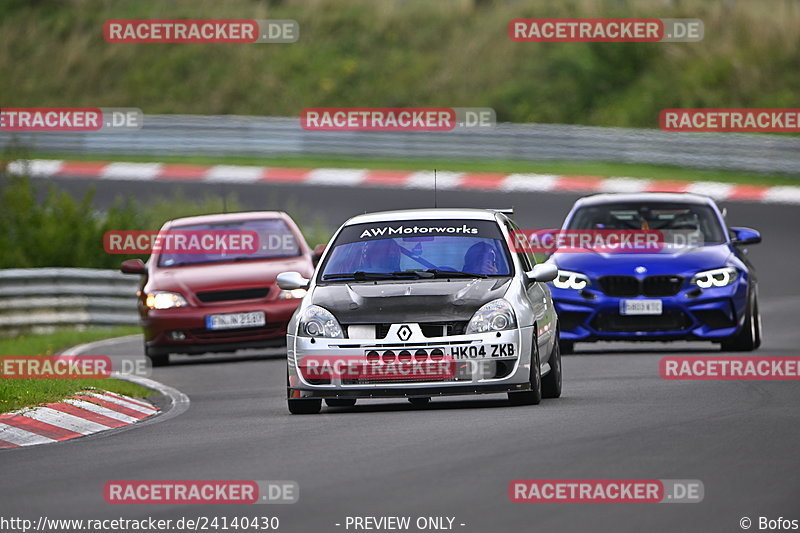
pixel 540 300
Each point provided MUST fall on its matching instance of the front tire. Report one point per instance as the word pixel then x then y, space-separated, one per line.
pixel 156 359
pixel 533 396
pixel 748 338
pixel 305 407
pixel 551 383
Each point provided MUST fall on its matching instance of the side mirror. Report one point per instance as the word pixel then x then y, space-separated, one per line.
pixel 133 266
pixel 317 255
pixel 743 236
pixel 543 272
pixel 290 281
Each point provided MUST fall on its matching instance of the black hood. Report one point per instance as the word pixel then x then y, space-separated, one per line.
pixel 400 301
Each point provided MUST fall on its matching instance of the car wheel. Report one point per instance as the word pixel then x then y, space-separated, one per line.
pixel 305 407
pixel 156 359
pixel 566 347
pixel 533 396
pixel 419 402
pixel 747 338
pixel 551 383
pixel 340 402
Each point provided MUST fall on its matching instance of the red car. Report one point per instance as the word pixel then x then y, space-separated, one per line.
pixel 223 301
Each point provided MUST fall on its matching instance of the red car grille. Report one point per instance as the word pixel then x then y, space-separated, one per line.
pixel 232 295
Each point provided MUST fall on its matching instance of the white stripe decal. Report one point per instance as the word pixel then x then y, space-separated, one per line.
pixel 784 195
pixel 336 176
pixel 21 437
pixel 529 182
pixel 424 180
pixel 123 403
pixel 89 406
pixel 624 185
pixel 234 174
pixel 38 168
pixel 65 420
pixel 131 171
pixel 714 189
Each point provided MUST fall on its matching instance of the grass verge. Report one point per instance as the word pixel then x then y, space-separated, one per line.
pixel 18 393
pixel 580 168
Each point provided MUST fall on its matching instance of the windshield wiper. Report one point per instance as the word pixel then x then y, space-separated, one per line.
pixel 439 273
pixel 363 276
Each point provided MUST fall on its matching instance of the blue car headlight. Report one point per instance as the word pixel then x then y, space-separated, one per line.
pixel 718 277
pixel 571 280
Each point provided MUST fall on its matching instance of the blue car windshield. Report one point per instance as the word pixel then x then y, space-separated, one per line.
pixel 651 216
pixel 431 248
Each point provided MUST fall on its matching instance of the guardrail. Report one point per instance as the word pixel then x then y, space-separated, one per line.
pixel 268 136
pixel 41 299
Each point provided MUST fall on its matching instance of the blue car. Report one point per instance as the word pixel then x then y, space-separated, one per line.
pixel 706 291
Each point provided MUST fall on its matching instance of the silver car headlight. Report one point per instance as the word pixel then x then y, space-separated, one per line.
pixel 497 315
pixel 317 321
pixel 719 277
pixel 567 279
pixel 165 300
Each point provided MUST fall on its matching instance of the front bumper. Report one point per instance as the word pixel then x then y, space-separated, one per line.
pixel 496 375
pixel 160 327
pixel 693 313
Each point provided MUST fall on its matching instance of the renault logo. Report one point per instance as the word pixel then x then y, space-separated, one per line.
pixel 404 333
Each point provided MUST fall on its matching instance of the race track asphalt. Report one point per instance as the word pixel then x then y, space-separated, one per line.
pixel 616 419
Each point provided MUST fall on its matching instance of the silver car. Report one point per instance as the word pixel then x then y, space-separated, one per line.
pixel 422 303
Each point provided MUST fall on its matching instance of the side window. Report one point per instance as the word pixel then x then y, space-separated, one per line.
pixel 527 259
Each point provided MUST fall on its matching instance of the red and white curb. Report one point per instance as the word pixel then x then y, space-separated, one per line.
pixel 82 414
pixel 402 179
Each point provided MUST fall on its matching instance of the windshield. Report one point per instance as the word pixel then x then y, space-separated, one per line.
pixel 417 250
pixel 693 218
pixel 275 240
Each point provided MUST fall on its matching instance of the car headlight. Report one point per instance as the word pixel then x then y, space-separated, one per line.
pixel 294 293
pixel 567 279
pixel 317 321
pixel 719 277
pixel 164 300
pixel 497 315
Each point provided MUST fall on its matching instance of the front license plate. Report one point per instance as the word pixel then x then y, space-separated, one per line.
pixel 640 307
pixel 253 319
pixel 486 351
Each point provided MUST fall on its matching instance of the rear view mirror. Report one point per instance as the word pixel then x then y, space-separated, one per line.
pixel 290 281
pixel 742 236
pixel 133 266
pixel 542 273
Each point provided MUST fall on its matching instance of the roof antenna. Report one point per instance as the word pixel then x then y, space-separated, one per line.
pixel 435 203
